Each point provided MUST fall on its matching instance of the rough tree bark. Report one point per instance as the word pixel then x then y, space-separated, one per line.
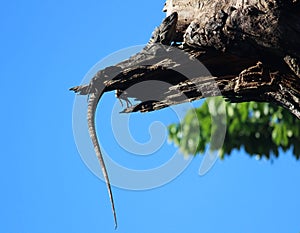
pixel 251 48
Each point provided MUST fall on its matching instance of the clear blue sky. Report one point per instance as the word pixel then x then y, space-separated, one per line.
pixel 47 47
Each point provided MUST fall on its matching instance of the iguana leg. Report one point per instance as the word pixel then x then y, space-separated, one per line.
pixel 122 95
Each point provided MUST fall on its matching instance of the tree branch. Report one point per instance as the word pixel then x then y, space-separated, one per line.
pixel 251 48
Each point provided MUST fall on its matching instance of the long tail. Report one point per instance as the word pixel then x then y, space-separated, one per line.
pixel 93 102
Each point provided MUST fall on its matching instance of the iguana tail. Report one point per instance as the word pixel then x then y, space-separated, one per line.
pixel 92 105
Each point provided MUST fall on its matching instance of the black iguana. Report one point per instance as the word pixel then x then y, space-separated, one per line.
pixel 164 34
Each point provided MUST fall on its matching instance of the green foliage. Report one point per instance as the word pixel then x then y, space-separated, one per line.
pixel 260 128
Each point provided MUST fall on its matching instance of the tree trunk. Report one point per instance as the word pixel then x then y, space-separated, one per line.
pixel 250 47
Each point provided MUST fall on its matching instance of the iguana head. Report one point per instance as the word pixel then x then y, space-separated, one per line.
pixel 168 29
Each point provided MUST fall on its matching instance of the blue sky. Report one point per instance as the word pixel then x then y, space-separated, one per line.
pixel 48 47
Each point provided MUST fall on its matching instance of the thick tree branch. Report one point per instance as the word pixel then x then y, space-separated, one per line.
pixel 251 48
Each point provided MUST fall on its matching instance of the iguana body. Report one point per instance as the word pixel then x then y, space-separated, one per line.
pixel 164 34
